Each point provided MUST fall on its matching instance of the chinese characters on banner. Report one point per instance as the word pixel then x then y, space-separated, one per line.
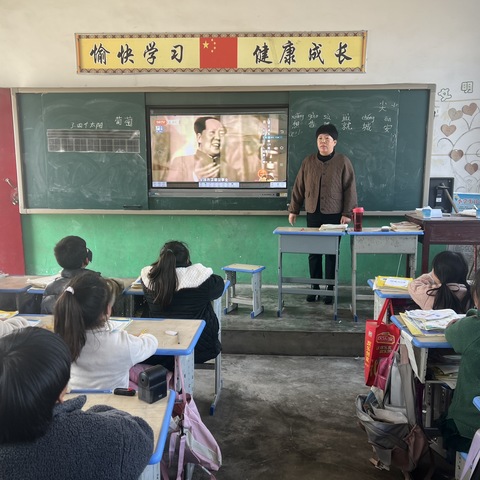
pixel 227 53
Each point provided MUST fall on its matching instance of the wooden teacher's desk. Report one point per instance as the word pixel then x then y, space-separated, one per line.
pixel 373 241
pixel 452 230
pixel 307 240
pixel 156 414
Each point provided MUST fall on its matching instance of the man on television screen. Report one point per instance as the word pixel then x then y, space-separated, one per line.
pixel 205 163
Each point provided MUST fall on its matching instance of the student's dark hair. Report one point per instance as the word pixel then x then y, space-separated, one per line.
pixel 450 267
pixel 201 123
pixel 34 369
pixel 163 276
pixel 82 306
pixel 71 252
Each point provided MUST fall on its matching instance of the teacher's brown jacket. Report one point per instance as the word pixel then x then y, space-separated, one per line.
pixel 333 180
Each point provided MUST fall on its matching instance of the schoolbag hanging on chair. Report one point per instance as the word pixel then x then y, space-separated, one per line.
pixel 392 429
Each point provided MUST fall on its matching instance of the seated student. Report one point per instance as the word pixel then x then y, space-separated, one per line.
pixel 445 286
pixel 463 418
pixel 174 288
pixel 101 357
pixel 44 437
pixel 73 256
pixel 10 324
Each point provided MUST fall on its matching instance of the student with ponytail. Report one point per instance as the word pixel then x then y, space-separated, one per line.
pixel 174 288
pixel 101 357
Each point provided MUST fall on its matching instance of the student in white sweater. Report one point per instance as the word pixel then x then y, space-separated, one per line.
pixel 101 357
pixel 10 324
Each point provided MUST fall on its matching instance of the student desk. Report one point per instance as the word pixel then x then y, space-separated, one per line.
pixel 418 347
pixel 132 290
pixel 380 296
pixel 156 414
pixel 373 241
pixel 452 230
pixel 189 332
pixel 306 241
pixel 15 284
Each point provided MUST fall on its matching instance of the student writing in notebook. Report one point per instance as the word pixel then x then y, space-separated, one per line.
pixel 43 436
pixel 445 286
pixel 101 357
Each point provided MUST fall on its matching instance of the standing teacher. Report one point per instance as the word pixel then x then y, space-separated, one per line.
pixel 326 184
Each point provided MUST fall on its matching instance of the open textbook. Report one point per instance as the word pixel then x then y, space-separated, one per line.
pixel 429 321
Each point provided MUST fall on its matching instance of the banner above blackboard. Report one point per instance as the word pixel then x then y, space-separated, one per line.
pixel 318 52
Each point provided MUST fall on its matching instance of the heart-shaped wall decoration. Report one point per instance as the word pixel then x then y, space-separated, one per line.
pixel 471 168
pixel 455 114
pixel 448 129
pixel 456 155
pixel 469 109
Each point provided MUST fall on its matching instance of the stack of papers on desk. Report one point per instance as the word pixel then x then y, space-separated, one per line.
pixel 404 227
pixel 393 284
pixel 429 321
pixel 333 227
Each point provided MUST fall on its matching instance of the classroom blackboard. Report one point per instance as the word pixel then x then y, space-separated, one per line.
pixel 88 150
pixel 383 132
pixel 83 150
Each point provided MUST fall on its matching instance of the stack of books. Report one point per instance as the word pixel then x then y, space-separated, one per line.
pixel 391 284
pixel 404 227
pixel 328 227
pixel 137 284
pixel 429 322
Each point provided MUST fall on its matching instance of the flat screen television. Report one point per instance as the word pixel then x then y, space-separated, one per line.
pixel 217 152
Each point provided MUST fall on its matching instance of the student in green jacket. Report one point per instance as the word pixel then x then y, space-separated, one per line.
pixel 463 418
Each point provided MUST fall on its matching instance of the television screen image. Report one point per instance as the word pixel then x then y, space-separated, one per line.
pixel 234 149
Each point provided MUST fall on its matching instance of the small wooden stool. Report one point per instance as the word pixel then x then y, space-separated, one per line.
pixel 232 300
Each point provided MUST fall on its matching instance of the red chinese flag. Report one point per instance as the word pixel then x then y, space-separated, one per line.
pixel 218 52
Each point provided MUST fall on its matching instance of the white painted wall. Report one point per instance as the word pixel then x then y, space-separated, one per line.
pixel 429 41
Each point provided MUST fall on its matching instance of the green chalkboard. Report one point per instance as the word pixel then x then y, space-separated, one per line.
pixel 383 132
pixel 88 150
pixel 83 150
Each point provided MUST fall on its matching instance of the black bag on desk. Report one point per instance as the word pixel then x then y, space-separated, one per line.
pixel 392 430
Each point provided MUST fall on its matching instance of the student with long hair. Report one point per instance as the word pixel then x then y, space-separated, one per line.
pixel 445 286
pixel 101 357
pixel 176 288
pixel 43 436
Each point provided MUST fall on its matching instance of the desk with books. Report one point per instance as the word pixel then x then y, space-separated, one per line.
pixel 375 241
pixel 452 230
pixel 307 240
pixel 380 296
pixel 418 346
pixel 15 285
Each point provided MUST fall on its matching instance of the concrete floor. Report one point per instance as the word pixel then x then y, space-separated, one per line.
pixel 285 417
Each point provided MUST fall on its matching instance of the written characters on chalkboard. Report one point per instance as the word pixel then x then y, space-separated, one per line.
pixel 382 132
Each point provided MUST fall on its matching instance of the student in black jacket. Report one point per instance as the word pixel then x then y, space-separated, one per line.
pixel 73 256
pixel 174 288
